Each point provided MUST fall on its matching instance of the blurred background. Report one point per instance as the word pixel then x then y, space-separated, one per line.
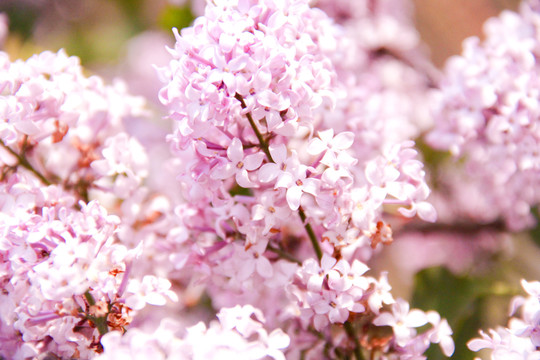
pixel 100 31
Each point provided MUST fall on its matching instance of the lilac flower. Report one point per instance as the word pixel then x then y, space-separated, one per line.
pixel 314 274
pixel 126 161
pixel 296 181
pixel 332 307
pixel 254 260
pixel 486 114
pixel 521 338
pixel 273 215
pixel 238 165
pixel 343 276
pixel 150 290
pixel 402 321
pixel 330 145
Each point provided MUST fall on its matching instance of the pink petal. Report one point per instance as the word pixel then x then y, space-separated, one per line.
pixel 384 319
pixel 264 268
pixel 273 120
pixel 338 315
pixel 447 346
pixel 343 140
pixel 238 63
pixel 155 299
pixel 246 270
pixel 230 82
pixel 294 194
pixel 415 318
pixel 373 173
pixel 311 186
pixel 279 153
pixel 327 262
pixel 326 135
pixel 223 172
pixel 285 180
pixel 262 79
pixel 319 322
pixel 242 178
pixel 267 98
pixel 315 283
pixel 316 146
pixel 277 339
pixel 268 172
pixel 253 161
pixel 426 211
pixel 235 152
pixel 258 212
pixel 478 344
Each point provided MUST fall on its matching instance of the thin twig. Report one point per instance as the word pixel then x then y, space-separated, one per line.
pixel 264 146
pixel 311 234
pixel 283 254
pixel 24 163
pixel 262 142
pixel 352 335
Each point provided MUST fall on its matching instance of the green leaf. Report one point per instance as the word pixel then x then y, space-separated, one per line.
pixel 459 299
pixel 535 232
pixel 174 16
pixel 238 190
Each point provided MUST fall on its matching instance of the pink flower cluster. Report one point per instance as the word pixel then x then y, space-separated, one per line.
pixel 251 86
pixel 290 165
pixel 488 113
pixel 66 278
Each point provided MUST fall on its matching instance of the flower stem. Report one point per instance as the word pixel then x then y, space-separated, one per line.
pixel 262 142
pixel 352 335
pixel 89 298
pixel 311 234
pixel 100 322
pixel 283 254
pixel 264 146
pixel 24 163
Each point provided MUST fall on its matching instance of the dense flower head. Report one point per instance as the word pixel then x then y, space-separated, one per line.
pixel 244 102
pixel 488 113
pixel 268 56
pixel 59 119
pixel 52 255
pixel 66 270
pixel 251 88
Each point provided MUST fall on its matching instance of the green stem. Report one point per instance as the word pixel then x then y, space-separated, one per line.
pixel 262 142
pixel 100 322
pixel 283 254
pixel 24 162
pixel 89 298
pixel 264 146
pixel 311 234
pixel 352 335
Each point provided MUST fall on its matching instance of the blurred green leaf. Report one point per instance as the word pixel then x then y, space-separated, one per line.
pixel 459 299
pixel 21 18
pixel 535 232
pixel 175 16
